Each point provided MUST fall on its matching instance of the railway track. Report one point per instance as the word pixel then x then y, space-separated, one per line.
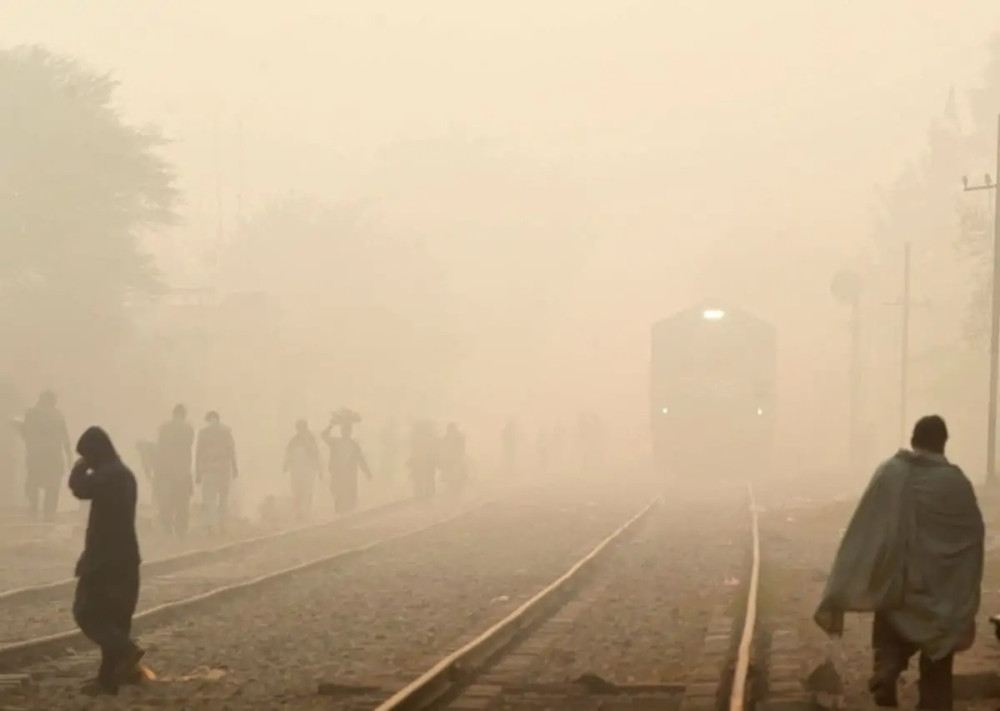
pixel 39 618
pixel 190 558
pixel 378 618
pixel 38 564
pixel 604 608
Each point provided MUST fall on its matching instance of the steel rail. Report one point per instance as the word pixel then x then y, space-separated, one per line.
pixel 161 566
pixel 19 654
pixel 738 692
pixel 458 668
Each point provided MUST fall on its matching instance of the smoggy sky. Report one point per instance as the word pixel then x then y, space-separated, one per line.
pixel 723 148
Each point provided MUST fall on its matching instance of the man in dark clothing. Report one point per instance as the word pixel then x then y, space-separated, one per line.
pixel 108 570
pixel 172 480
pixel 913 555
pixel 302 464
pixel 215 469
pixel 47 454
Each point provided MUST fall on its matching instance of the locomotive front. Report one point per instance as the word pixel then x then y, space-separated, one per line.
pixel 712 392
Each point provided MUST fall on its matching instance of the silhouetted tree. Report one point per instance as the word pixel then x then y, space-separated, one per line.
pixel 925 205
pixel 79 189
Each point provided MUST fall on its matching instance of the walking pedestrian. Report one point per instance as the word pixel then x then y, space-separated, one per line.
pixel 215 469
pixel 47 454
pixel 302 464
pixel 108 570
pixel 346 459
pixel 913 555
pixel 172 473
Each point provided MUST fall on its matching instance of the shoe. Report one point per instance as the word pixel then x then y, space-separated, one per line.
pixel 134 676
pixel 883 692
pixel 128 666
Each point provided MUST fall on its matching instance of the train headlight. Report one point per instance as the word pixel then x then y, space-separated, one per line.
pixel 760 411
pixel 665 410
pixel 713 314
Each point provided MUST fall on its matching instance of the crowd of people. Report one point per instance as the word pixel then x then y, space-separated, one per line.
pixel 179 461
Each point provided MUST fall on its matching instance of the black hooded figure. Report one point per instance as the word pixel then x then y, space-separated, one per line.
pixel 108 570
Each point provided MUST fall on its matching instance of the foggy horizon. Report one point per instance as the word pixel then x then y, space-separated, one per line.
pixel 574 173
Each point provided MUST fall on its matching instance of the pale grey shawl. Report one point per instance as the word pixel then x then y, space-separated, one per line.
pixel 913 550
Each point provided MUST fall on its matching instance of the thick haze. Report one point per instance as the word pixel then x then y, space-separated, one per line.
pixel 577 169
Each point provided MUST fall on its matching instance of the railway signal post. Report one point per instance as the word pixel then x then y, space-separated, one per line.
pixel 991 431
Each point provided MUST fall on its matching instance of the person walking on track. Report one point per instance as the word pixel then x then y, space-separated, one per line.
pixel 913 555
pixel 47 455
pixel 172 473
pixel 346 458
pixel 107 572
pixel 302 464
pixel 215 469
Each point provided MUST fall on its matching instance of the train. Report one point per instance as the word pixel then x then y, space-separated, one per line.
pixel 712 393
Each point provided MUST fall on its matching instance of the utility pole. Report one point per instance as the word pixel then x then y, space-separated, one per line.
pixel 906 306
pixel 991 431
pixel 904 354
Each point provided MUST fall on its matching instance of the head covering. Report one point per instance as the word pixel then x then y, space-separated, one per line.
pixel 95 446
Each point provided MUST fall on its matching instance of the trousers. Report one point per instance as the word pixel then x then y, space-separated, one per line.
pixel 102 608
pixel 215 498
pixel 174 504
pixel 44 492
pixel 303 482
pixel 892 653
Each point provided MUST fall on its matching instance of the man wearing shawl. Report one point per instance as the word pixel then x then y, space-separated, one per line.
pixel 913 555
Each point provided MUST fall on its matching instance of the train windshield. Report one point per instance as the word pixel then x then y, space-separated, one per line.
pixel 712 371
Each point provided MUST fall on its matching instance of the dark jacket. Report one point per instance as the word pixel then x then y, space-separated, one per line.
pixel 215 453
pixel 46 442
pixel 111 543
pixel 173 450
